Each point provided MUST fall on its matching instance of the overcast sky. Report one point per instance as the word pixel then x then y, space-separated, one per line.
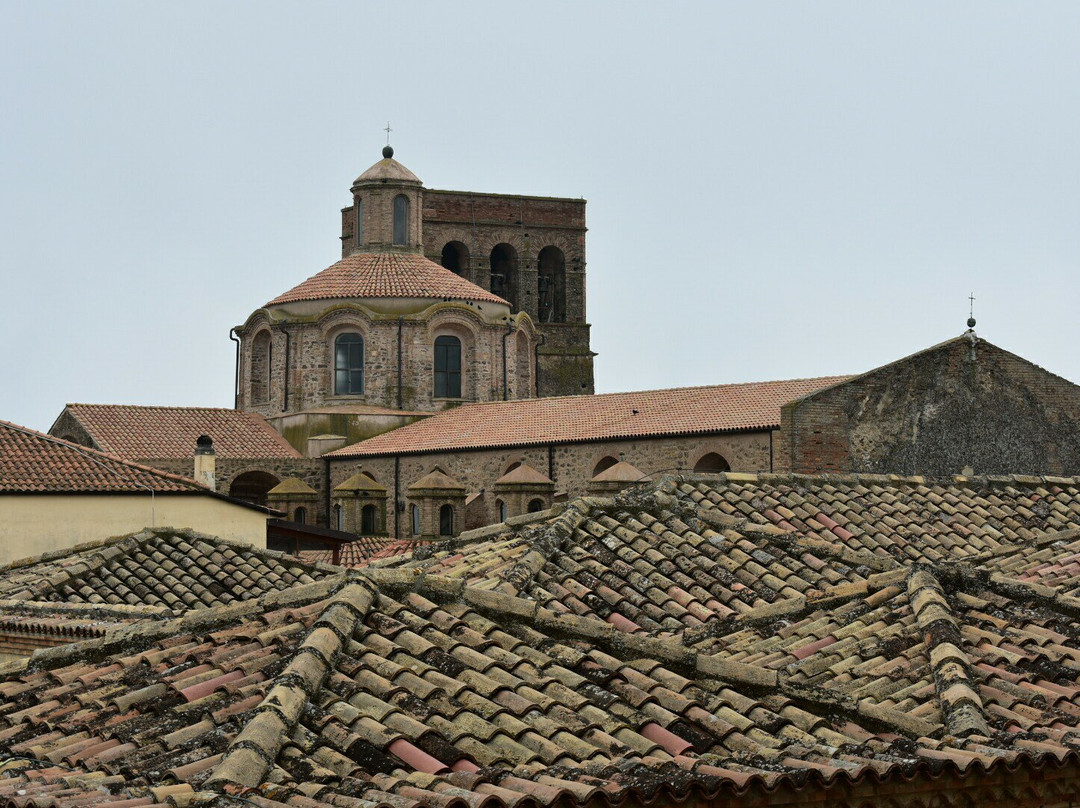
pixel 775 190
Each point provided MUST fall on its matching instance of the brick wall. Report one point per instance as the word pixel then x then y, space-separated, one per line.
pixel 480 222
pixel 953 406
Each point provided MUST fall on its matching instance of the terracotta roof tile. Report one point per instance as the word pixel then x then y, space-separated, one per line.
pixel 154 571
pixel 158 433
pixel 32 462
pixel 680 411
pixel 386 274
pixel 665 645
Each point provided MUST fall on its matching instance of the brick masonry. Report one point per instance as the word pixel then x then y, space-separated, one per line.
pixel 531 227
pixel 962 404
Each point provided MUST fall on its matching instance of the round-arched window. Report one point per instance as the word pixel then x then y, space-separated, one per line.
pixel 447 367
pixel 401 219
pixel 349 364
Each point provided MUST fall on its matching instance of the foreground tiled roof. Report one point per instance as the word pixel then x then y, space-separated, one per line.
pixel 680 411
pixel 673 645
pixel 159 569
pixel 363 551
pixel 160 433
pixel 386 274
pixel 32 462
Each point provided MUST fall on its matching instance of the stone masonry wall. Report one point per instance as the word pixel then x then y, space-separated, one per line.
pixel 569 466
pixel 954 406
pixel 311 360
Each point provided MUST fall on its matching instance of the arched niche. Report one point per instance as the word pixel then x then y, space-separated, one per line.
pixel 551 286
pixel 259 373
pixel 712 463
pixel 504 268
pixel 604 464
pixel 455 257
pixel 252 486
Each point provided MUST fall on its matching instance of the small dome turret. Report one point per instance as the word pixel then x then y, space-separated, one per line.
pixel 387 170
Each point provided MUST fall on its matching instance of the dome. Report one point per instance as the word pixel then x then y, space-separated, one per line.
pixel 387 170
pixel 386 274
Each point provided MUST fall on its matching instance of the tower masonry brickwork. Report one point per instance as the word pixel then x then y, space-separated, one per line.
pixel 529 250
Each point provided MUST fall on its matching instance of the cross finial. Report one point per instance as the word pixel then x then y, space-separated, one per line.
pixel 388 130
pixel 971 310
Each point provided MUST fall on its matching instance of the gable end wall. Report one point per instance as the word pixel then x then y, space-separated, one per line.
pixel 936 413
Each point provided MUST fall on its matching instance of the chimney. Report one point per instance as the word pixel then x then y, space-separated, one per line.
pixel 205 462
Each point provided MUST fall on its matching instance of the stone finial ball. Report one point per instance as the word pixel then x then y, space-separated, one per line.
pixel 388 151
pixel 971 322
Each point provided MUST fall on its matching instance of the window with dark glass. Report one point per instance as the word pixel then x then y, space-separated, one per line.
pixel 367 520
pixel 401 219
pixel 300 515
pixel 348 365
pixel 414 518
pixel 359 221
pixel 446 520
pixel 447 367
pixel 339 518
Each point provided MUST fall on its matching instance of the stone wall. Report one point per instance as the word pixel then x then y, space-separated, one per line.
pixel 962 404
pixel 570 466
pixel 307 348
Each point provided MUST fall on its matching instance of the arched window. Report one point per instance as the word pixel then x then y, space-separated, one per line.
pixel 504 265
pixel 447 367
pixel 339 518
pixel 712 463
pixel 414 518
pixel 401 219
pixel 604 464
pixel 260 368
pixel 551 286
pixel 455 257
pixel 536 505
pixel 348 365
pixel 367 520
pixel 501 506
pixel 300 515
pixel 446 520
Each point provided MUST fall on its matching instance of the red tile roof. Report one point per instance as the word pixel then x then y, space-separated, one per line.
pixel 32 462
pixel 386 274
pixel 680 411
pixel 159 433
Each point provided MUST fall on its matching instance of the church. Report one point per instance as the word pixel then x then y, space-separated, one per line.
pixel 439 377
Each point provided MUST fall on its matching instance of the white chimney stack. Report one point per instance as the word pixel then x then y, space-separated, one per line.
pixel 205 462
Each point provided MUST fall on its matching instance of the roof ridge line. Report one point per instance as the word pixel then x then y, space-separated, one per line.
pixel 255 748
pixel 956 688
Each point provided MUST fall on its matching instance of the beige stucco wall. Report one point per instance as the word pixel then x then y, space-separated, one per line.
pixel 34 524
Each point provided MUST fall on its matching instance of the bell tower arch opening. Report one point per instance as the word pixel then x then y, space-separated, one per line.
pixel 551 285
pixel 504 268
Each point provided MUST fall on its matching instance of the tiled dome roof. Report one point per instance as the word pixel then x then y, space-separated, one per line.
pixel 386 274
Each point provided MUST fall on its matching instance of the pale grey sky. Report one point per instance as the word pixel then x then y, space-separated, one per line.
pixel 775 190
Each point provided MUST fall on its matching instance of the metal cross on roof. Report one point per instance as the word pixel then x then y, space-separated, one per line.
pixel 388 130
